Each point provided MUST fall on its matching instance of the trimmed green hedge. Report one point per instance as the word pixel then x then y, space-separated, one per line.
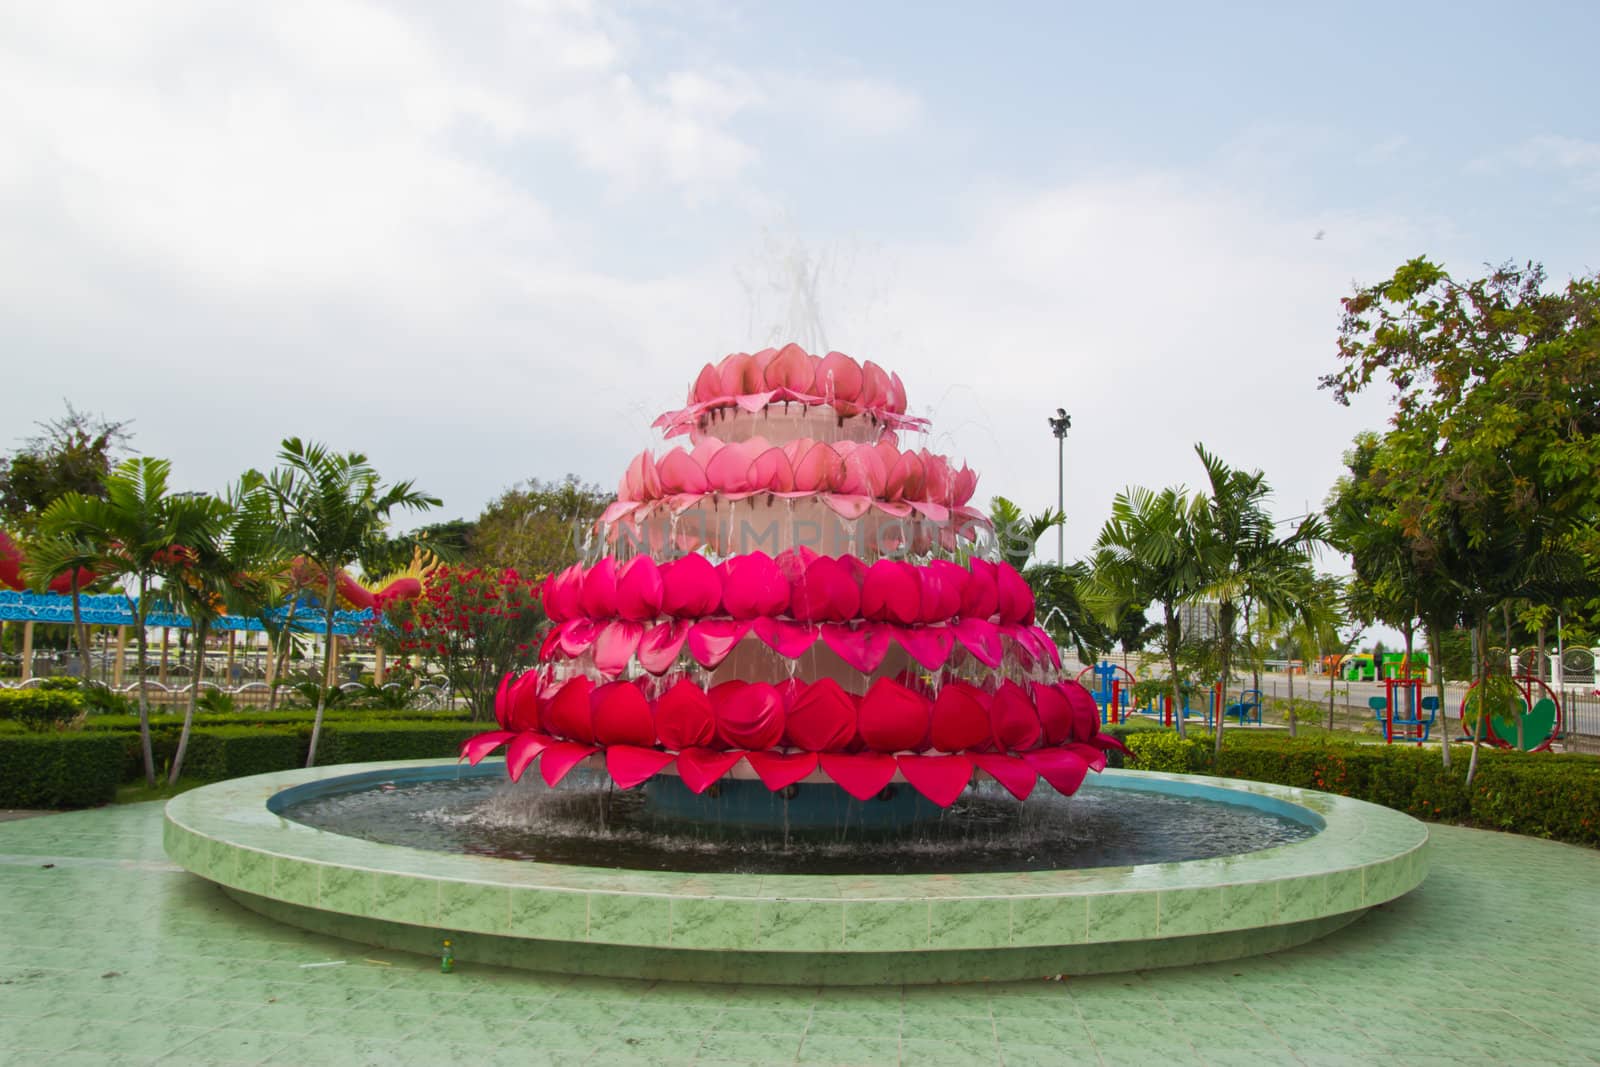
pixel 40 708
pixel 1537 794
pixel 59 770
pixel 290 717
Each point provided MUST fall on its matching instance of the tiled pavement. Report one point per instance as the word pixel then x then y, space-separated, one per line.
pixel 110 955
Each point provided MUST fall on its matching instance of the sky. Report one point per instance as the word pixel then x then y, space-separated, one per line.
pixel 491 241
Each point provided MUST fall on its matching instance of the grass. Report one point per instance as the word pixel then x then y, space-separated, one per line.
pixel 138 792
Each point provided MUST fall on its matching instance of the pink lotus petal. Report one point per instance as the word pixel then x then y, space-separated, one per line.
pixel 729 470
pixel 711 640
pixel 639 589
pixel 1013 718
pixel 1106 741
pixel 960 718
pixel 749 715
pixel 679 473
pixel 780 770
pixel 1015 595
pixel 847 507
pixel 577 636
pixel 792 563
pixel 962 486
pixel 629 765
pixel 763 359
pixel 566 593
pixel 940 482
pixel 568 713
pixel 875 386
pixel 1064 769
pixel 943 584
pixel 732 374
pixel 899 509
pixel 753 402
pixel 821 718
pixel 1085 712
pixel 896 401
pixel 524 703
pixel 931 511
pixel 929 646
pixel 523 751
pixel 828 591
pixel 1093 755
pixel 502 701
pixel 615 645
pixel 684 718
pixel 478 746
pixel 818 470
pixel 838 379
pixel 862 648
pixel 699 768
pixel 621 715
pixel 773 472
pixel 690 587
pixel 891 592
pixel 893 718
pixel 981 597
pixel 707 386
pixel 560 757
pixel 1049 645
pixel 788 639
pixel 790 369
pixel 1016 776
pixel 1055 714
pixel 660 645
pixel 905 478
pixel 753 586
pixel 939 778
pixel 862 776
pixel 981 638
pixel 600 589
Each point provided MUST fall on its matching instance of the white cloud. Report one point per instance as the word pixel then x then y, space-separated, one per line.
pixel 1576 158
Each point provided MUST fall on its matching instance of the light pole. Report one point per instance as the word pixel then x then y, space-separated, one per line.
pixel 1059 425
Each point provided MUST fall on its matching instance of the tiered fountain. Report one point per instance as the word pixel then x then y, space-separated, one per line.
pixel 790 724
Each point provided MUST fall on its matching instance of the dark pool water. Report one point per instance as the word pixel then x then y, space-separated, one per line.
pixel 586 822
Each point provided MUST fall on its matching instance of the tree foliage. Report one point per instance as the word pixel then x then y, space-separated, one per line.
pixel 536 527
pixel 71 453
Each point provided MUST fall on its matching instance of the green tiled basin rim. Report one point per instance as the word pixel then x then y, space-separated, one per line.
pixel 1363 855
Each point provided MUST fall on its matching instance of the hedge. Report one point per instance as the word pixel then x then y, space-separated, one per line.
pixel 219 752
pixel 59 770
pixel 173 720
pixel 1537 794
pixel 40 709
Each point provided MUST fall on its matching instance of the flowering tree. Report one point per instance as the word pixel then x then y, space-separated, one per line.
pixel 475 624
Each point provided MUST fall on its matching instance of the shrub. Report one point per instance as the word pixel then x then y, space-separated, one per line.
pixel 41 708
pixel 1160 750
pixel 221 752
pixel 357 742
pixel 59 770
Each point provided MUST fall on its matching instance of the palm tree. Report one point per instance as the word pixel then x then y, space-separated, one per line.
pixel 1017 533
pixel 1246 564
pixel 331 509
pixel 136 531
pixel 235 573
pixel 1057 595
pixel 53 553
pixel 1145 554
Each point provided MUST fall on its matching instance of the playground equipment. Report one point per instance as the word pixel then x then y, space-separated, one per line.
pixel 1195 702
pixel 1522 697
pixel 1247 708
pixel 1403 705
pixel 1112 689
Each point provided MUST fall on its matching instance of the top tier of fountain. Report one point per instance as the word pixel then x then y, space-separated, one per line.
pixel 791 450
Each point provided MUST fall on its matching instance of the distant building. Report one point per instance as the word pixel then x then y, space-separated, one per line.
pixel 1199 620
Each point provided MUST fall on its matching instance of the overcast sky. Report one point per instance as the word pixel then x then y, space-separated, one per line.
pixel 491 241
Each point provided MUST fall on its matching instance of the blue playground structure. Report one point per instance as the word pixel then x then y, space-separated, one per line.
pixel 1404 706
pixel 1112 689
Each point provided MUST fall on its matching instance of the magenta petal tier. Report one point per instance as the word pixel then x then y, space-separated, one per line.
pixel 800 597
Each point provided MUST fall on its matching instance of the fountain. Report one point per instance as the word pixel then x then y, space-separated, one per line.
pixel 792 723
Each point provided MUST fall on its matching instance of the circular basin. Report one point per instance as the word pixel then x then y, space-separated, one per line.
pixel 787 928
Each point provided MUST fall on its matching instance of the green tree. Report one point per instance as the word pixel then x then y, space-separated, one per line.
pixel 53 552
pixel 72 453
pixel 138 530
pixel 1146 554
pixel 536 527
pixel 1016 533
pixel 330 508
pixel 1061 611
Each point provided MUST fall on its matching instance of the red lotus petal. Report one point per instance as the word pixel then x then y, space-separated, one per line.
pixel 502 701
pixel 560 757
pixel 893 718
pixel 615 644
pixel 960 717
pixel 1055 714
pixel 787 639
pixel 821 717
pixel 939 778
pixel 478 746
pixel 1016 776
pixel 1106 741
pixel 711 640
pixel 639 589
pixel 629 765
pixel 929 646
pixel 837 377
pixel 684 718
pixel 690 587
pixel 891 592
pixel 698 768
pixel 862 648
pixel 1049 645
pixel 1063 768
pixel 660 645
pixel 1013 718
pixel 577 636
pixel 1015 596
pixel 827 592
pixel 752 586
pixel 523 751
pixel 566 593
pixel 749 715
pixel 790 369
pixel 1094 756
pixel 981 638
pixel 621 715
pixel 981 596
pixel 550 645
pixel 568 713
pixel 943 585
pixel 793 563
pixel 524 703
pixel 779 770
pixel 862 776
pixel 600 589
pixel 1085 712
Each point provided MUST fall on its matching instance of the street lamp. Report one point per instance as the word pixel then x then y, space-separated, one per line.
pixel 1059 425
